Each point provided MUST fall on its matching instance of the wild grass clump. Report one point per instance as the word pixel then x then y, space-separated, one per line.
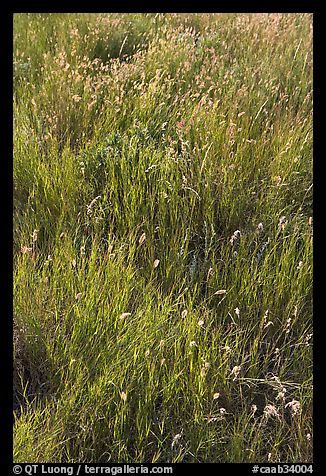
pixel 163 238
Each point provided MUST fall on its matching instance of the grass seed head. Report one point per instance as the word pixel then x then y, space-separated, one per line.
pixel 124 315
pixel 220 292
pixel 142 239
pixel 294 407
pixel 184 313
pixel 271 411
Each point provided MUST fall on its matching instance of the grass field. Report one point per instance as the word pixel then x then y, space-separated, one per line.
pixel 163 238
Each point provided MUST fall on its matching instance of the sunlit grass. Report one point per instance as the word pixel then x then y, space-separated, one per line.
pixel 163 238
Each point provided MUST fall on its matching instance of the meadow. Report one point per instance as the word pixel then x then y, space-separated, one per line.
pixel 162 240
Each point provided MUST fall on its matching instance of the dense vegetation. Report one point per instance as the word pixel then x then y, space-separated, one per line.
pixel 162 237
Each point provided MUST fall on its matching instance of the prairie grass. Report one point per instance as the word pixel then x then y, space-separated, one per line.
pixel 162 237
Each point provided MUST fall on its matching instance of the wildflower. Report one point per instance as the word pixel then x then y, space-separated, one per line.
pixel 237 311
pixel 260 227
pixel 156 263
pixel 124 315
pixel 294 407
pixel 300 265
pixel 222 411
pixel 180 125
pixel 270 411
pixel 308 436
pixel 142 239
pixel 201 323
pixel 216 395
pixel 193 344
pixel 235 371
pixel 254 409
pixel 124 396
pixel 184 313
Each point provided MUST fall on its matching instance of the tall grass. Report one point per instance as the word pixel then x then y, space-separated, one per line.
pixel 163 237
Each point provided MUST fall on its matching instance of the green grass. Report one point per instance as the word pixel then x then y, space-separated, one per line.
pixel 180 129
